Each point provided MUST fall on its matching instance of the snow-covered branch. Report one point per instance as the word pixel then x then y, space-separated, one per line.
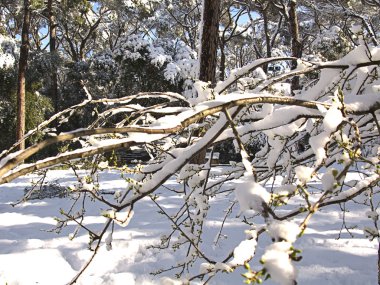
pixel 311 140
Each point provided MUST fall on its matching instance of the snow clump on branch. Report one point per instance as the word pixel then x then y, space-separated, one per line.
pixel 251 195
pixel 283 231
pixel 278 264
pixel 8 51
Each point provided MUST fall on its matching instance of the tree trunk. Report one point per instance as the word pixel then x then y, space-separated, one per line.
pixel 52 45
pixel 208 52
pixel 209 43
pixel 378 264
pixel 24 51
pixel 296 42
pixel 267 37
pixel 222 68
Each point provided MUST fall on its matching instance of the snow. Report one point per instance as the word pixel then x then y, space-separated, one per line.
pixel 53 266
pixel 304 173
pixel 362 184
pixel 170 281
pixel 374 215
pixel 244 252
pixel 9 157
pixel 212 223
pixel 328 179
pixel 332 119
pixel 318 144
pixel 363 104
pixel 8 51
pixel 283 230
pixel 251 195
pixel 6 61
pixel 29 254
pixel 276 144
pixel 208 267
pixel 236 74
pixel 278 264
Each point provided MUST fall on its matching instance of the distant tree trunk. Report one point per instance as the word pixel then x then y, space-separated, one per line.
pixel 378 264
pixel 296 42
pixel 209 44
pixel 222 68
pixel 24 51
pixel 52 45
pixel 208 51
pixel 267 36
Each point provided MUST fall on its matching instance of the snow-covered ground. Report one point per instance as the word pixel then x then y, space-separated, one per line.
pixel 30 254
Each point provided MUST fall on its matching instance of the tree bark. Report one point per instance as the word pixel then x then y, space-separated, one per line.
pixel 222 68
pixel 24 52
pixel 267 36
pixel 296 42
pixel 378 264
pixel 52 45
pixel 208 53
pixel 209 43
